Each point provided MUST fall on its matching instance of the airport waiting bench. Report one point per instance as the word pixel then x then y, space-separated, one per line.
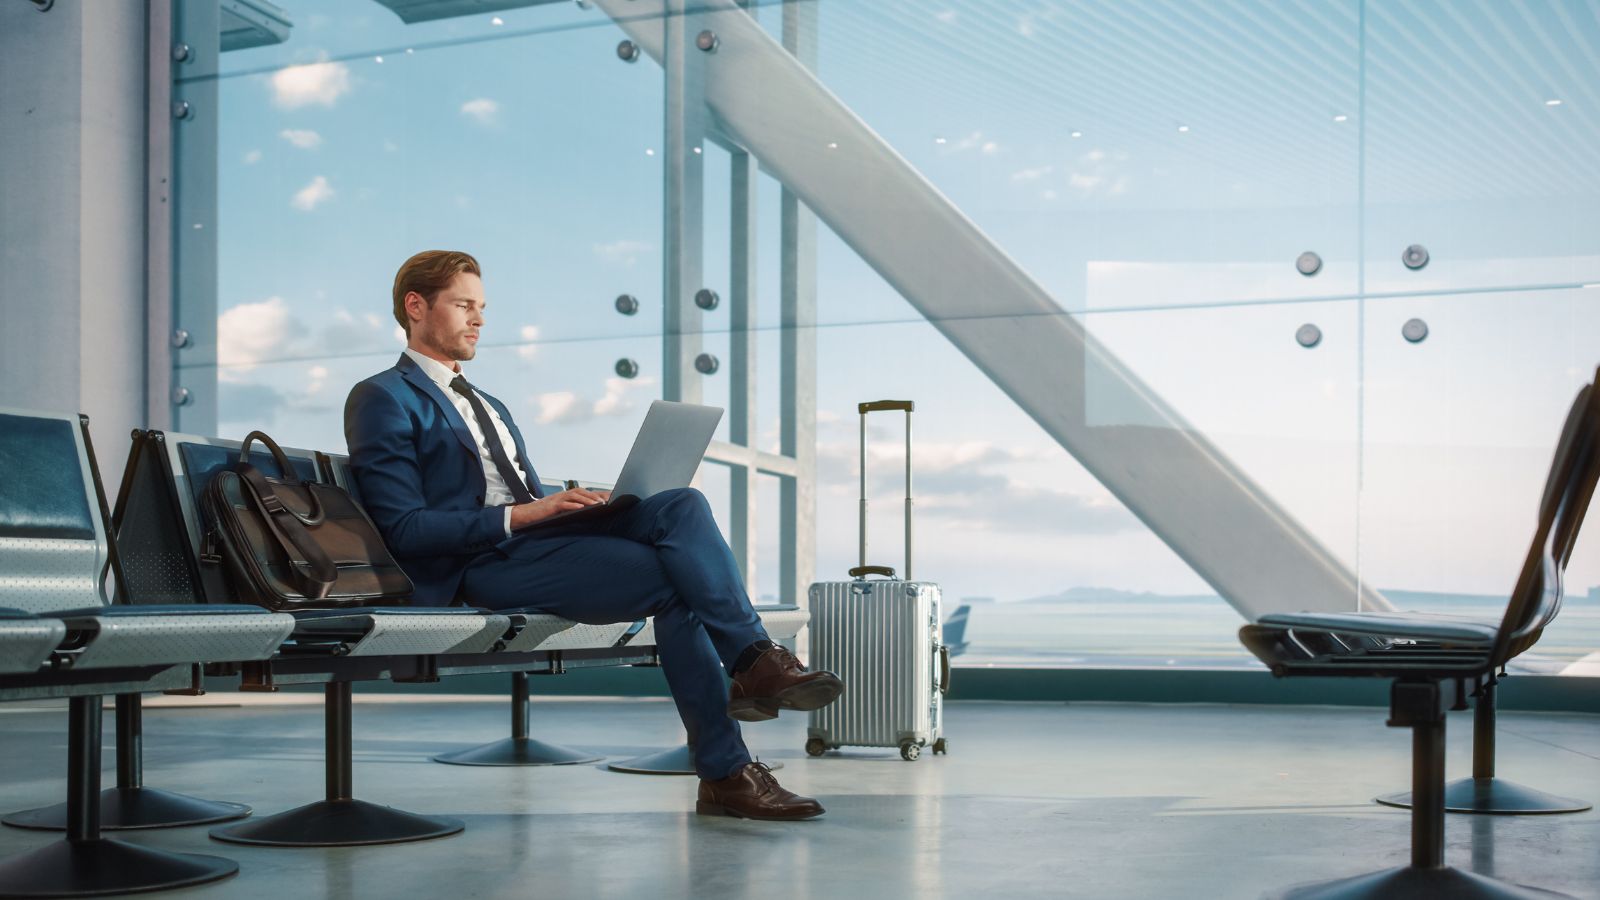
pixel 1425 655
pixel 61 637
pixel 161 533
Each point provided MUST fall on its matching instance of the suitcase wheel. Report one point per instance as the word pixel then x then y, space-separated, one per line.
pixel 910 750
pixel 816 746
pixel 940 747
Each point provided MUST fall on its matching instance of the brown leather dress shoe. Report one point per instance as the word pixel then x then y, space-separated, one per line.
pixel 752 793
pixel 776 680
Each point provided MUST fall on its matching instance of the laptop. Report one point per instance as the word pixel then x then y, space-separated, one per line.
pixel 666 452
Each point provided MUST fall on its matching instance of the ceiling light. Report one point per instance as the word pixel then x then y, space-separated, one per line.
pixel 497 21
pixel 832 145
pixel 1340 118
pixel 1077 134
pixel 1183 129
pixel 1552 103
pixel 938 140
pixel 649 151
pixel 377 59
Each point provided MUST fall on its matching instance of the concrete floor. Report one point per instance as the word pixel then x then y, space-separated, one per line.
pixel 1096 801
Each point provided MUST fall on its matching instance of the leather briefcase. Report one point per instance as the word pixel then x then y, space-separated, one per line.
pixel 291 544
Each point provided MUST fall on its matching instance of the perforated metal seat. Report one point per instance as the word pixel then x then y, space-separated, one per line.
pixel 27 640
pixel 1419 652
pixel 58 559
pixel 190 461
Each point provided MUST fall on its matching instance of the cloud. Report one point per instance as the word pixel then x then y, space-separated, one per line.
pixel 312 195
pixel 528 349
pixel 305 139
pixel 249 333
pixel 559 407
pixel 973 141
pixel 1096 172
pixel 568 407
pixel 1025 26
pixel 1086 183
pixel 253 157
pixel 623 252
pixel 1025 175
pixel 482 110
pixel 966 481
pixel 947 16
pixel 315 84
pixel 616 400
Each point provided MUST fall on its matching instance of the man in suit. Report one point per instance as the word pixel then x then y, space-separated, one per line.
pixel 447 478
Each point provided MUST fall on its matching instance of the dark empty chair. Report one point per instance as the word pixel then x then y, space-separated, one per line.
pixel 1422 654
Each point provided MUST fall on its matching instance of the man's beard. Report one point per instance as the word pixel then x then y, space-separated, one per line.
pixel 462 350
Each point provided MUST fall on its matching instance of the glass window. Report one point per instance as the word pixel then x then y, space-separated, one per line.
pixel 1193 299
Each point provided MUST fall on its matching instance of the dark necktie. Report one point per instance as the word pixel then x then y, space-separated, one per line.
pixel 497 450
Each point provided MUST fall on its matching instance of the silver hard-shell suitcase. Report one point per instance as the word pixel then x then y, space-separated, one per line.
pixel 883 638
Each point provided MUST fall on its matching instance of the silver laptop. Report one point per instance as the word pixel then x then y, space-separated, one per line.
pixel 667 451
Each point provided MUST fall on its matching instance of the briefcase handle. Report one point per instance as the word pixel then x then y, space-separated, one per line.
pixel 288 476
pixel 905 406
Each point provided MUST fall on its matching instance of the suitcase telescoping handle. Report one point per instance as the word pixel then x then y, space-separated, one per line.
pixel 862 570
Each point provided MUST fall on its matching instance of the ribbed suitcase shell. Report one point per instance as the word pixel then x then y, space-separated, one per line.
pixel 881 638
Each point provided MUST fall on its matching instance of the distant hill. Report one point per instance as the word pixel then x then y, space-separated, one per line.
pixel 1401 599
pixel 1115 595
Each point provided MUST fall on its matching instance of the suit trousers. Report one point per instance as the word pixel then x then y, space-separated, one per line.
pixel 662 557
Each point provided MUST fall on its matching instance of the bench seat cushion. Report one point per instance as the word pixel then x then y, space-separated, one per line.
pixel 1449 629
pixel 26 641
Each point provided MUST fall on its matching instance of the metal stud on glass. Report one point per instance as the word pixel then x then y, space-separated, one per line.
pixel 627 304
pixel 1308 335
pixel 707 41
pixel 181 338
pixel 706 299
pixel 706 364
pixel 626 368
pixel 628 51
pixel 1415 257
pixel 182 396
pixel 1414 330
pixel 1308 264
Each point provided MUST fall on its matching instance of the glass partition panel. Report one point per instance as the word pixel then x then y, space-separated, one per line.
pixel 1482 145
pixel 1054 569
pixel 1125 155
pixel 1154 300
pixel 1461 419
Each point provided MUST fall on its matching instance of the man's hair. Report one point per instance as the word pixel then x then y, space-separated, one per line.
pixel 427 273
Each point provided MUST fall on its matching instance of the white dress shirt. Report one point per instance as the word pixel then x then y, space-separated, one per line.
pixel 495 491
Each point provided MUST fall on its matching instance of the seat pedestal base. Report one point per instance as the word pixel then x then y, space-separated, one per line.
pixel 338 823
pixel 515 751
pixel 1494 796
pixel 103 866
pixel 1415 884
pixel 130 808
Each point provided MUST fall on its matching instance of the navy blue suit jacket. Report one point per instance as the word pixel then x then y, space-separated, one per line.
pixel 419 475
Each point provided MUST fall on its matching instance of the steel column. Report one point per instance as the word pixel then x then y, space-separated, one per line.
pixel 742 360
pixel 798 356
pixel 683 202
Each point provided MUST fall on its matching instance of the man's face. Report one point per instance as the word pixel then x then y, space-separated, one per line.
pixel 449 328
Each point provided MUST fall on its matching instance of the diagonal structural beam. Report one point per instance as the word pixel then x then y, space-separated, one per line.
pixel 1224 525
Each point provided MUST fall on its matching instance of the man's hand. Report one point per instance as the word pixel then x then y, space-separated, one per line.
pixel 525 514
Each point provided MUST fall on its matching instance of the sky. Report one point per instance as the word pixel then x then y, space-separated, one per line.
pixel 1157 167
